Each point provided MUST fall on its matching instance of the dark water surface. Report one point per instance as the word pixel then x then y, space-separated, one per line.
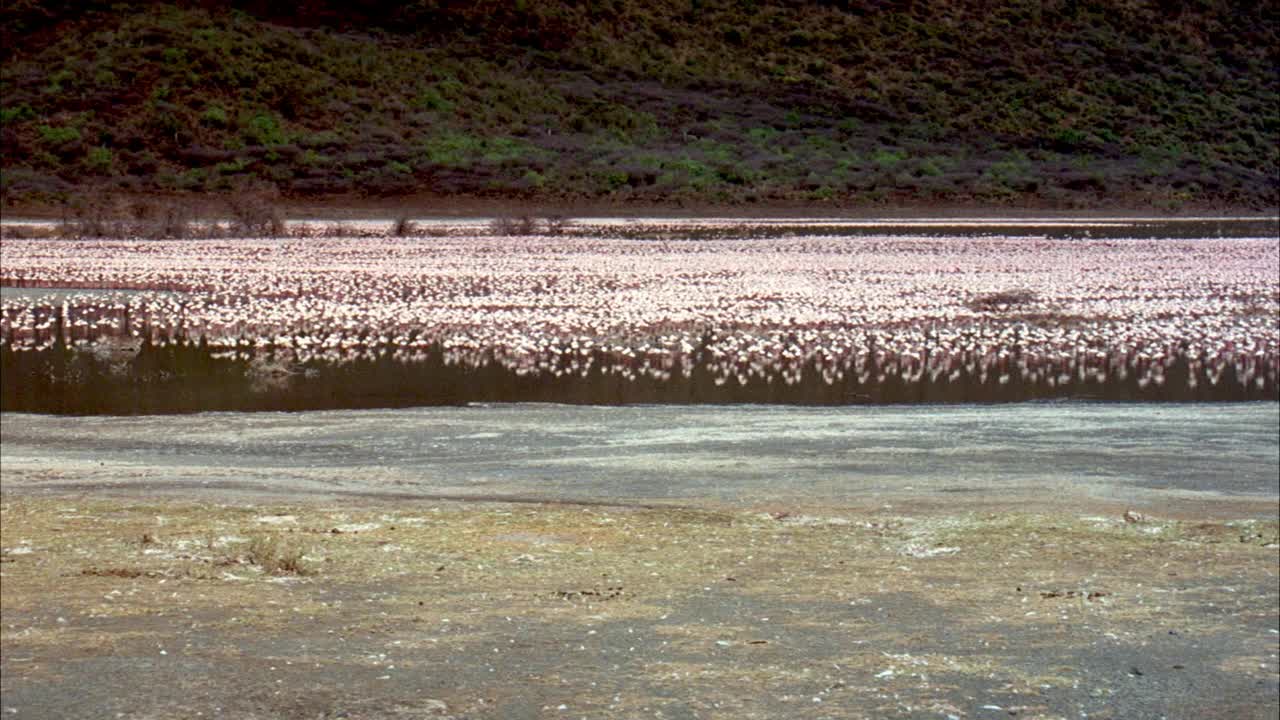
pixel 718 453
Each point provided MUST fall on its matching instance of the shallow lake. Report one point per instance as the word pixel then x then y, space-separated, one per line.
pixel 733 454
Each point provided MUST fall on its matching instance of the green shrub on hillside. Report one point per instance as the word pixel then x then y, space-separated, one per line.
pixel 215 116
pixel 51 135
pixel 262 128
pixel 98 159
pixel 16 114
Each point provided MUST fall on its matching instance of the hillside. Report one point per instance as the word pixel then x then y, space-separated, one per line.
pixel 1057 105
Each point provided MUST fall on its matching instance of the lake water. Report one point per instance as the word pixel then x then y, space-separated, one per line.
pixel 734 454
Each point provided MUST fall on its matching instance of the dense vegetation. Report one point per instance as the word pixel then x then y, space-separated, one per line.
pixel 1062 104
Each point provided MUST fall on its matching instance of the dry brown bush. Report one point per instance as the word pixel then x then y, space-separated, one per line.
pixel 103 215
pixel 255 211
pixel 558 224
pixel 403 226
pixel 523 225
pixel 277 556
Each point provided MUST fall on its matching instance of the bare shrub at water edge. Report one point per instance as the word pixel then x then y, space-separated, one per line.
pixel 94 214
pixel 254 211
pixel 99 214
pixel 438 232
pixel 322 230
pixel 336 230
pixel 214 229
pixel 173 220
pixel 277 556
pixel 502 226
pixel 27 232
pixel 162 220
pixel 523 225
pixel 558 224
pixel 403 226
pixel 529 225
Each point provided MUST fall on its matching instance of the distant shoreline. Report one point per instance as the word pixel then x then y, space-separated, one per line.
pixel 427 205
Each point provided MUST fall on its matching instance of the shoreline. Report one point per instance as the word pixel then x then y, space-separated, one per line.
pixel 426 205
pixel 1190 462
pixel 1186 507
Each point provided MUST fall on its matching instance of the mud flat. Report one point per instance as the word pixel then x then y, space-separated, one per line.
pixel 214 607
pixel 320 565
pixel 1165 458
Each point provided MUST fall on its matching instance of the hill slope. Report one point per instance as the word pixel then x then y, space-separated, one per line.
pixel 1061 104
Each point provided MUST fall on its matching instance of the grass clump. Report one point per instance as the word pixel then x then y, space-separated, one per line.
pixel 277 555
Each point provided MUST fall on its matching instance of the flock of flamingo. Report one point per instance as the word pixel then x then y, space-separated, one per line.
pixel 791 309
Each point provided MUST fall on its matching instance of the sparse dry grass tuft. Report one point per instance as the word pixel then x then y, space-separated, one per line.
pixel 277 555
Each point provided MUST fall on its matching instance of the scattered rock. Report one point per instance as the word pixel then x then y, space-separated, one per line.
pixel 608 593
pixel 917 550
pixel 1090 595
pixel 354 528
pixel 277 519
pixel 118 572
